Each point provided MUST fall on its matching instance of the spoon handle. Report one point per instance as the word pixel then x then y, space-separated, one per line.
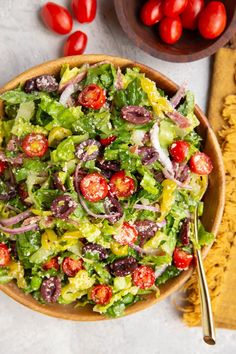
pixel 206 309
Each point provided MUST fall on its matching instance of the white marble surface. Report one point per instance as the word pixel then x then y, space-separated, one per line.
pixel 24 42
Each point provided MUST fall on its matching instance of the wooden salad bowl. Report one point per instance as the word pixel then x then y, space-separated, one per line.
pixel 190 47
pixel 214 197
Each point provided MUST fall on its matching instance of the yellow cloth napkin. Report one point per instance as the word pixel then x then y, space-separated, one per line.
pixel 220 263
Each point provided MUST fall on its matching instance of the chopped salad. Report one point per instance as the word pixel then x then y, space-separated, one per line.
pixel 100 173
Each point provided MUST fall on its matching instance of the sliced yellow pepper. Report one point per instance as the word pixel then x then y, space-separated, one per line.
pixel 41 212
pixel 57 134
pixel 16 271
pixel 118 249
pixel 167 198
pixel 49 239
pixel 159 104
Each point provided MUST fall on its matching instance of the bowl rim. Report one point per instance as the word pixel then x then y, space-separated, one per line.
pixel 11 288
pixel 171 57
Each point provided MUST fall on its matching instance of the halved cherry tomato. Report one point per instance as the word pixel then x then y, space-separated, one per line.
pixel 151 12
pixel 108 141
pixel 170 29
pixel 179 150
pixel 52 263
pixel 94 187
pixel 172 8
pixel 84 10
pixel 75 44
pixel 92 96
pixel 212 20
pixel 200 164
pixel 127 235
pixel 35 145
pixel 144 277
pixel 191 14
pixel 72 266
pixel 57 18
pixel 121 186
pixel 181 258
pixel 3 166
pixel 4 255
pixel 101 294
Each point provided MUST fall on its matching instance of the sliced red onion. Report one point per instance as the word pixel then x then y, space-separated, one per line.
pixel 66 94
pixel 19 230
pixel 63 206
pixel 180 184
pixel 89 212
pixel 10 207
pixel 146 207
pixel 163 154
pixel 31 220
pixel 113 208
pixel 15 219
pixel 179 119
pixel 175 100
pixel 13 144
pixel 119 80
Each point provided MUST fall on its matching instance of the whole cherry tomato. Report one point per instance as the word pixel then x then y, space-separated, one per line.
pixel 35 145
pixel 84 10
pixel 75 44
pixel 151 12
pixel 92 96
pixel 94 187
pixel 3 166
pixel 51 264
pixel 4 255
pixel 72 266
pixel 170 29
pixel 212 20
pixel 144 277
pixel 181 258
pixel 191 14
pixel 179 150
pixel 127 235
pixel 57 18
pixel 173 8
pixel 101 294
pixel 200 164
pixel 121 186
pixel 107 141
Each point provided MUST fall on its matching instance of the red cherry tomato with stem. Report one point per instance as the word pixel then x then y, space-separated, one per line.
pixel 107 141
pixel 51 264
pixel 173 8
pixel 151 12
pixel 75 44
pixel 170 29
pixel 57 18
pixel 72 266
pixel 200 164
pixel 3 166
pixel 35 145
pixel 179 150
pixel 212 20
pixel 191 14
pixel 92 96
pixel 101 294
pixel 4 255
pixel 94 187
pixel 127 235
pixel 144 277
pixel 84 10
pixel 121 186
pixel 181 258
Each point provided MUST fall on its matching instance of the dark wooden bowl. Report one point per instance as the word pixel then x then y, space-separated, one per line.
pixel 214 197
pixel 190 47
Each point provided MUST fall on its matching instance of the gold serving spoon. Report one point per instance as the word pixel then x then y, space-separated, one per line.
pixel 206 309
